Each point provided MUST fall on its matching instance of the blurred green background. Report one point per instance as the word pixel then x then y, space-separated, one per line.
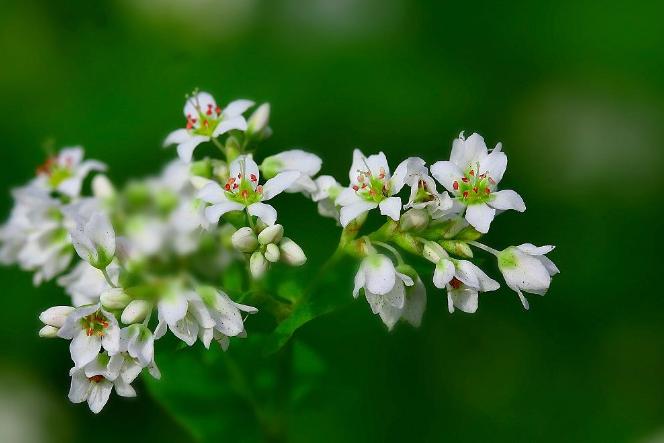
pixel 573 89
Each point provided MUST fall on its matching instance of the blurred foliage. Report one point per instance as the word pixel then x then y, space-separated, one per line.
pixel 573 89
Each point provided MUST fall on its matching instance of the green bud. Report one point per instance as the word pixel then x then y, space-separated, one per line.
pixel 137 194
pixel 469 234
pixel 458 248
pixel 259 119
pixel 414 220
pixel 48 331
pixel 433 252
pixel 166 201
pixel 408 243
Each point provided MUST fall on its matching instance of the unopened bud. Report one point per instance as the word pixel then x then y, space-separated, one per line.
pixel 258 264
pixel 244 240
pixel 56 315
pixel 272 252
pixel 102 187
pixel 291 252
pixel 433 252
pixel 48 331
pixel 259 119
pixel 458 248
pixel 114 299
pixel 271 234
pixel 135 312
pixel 414 220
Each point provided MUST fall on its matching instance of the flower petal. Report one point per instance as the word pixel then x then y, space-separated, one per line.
pixel 212 213
pixel 298 160
pixel 468 151
pixel 391 207
pixel 446 173
pixel 237 107
pixel 244 164
pixel 263 211
pixel 377 162
pixel 78 391
pixel 416 303
pixel 172 307
pixel 186 149
pixel 494 164
pixel 228 125
pixel 443 273
pixel 466 299
pixel 177 137
pixel 507 199
pixel 480 216
pixel 359 164
pixel 351 212
pixel 84 348
pixel 277 184
pixel 212 193
pixel 99 394
pixel 531 249
pixel 199 103
pixel 347 197
pixel 380 274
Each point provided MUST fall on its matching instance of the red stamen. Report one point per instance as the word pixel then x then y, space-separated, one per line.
pixel 475 189
pixel 465 194
pixel 455 185
pixel 209 109
pixel 96 378
pixel 355 187
pixel 259 189
pixel 472 172
pixel 218 110
pixel 227 187
pixel 455 283
pixel 465 179
pixel 253 177
pixel 488 191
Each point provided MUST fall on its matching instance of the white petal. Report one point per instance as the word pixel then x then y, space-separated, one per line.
pixel 531 249
pixel 186 149
pixel 199 103
pixel 416 303
pixel 480 216
pixel 507 199
pixel 347 197
pixel 467 273
pixel 237 107
pixel 299 160
pixel 70 156
pixel 84 348
pixel 446 173
pixel 244 164
pixel 71 186
pixel 186 329
pixel 443 273
pixel 359 164
pixel 212 193
pixel 123 389
pixel 263 211
pixel 101 232
pixel 465 298
pixel 396 296
pixel 377 162
pixel 172 307
pixel 78 391
pixel 277 184
pixel 228 125
pixel 177 137
pixel 399 177
pixel 494 165
pixel 379 273
pixel 351 212
pixel 391 207
pixel 214 212
pixel 358 282
pixel 99 394
pixel 469 151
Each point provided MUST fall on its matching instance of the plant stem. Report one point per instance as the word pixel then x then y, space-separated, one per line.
pixel 108 278
pixel 484 247
pixel 392 249
pixel 221 147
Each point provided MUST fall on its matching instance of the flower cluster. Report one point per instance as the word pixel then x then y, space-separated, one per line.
pixel 153 256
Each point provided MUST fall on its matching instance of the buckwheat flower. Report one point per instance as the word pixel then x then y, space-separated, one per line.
pixel 226 314
pixel 306 163
pixel 384 287
pixel 205 121
pixel 464 286
pixel 423 192
pixel 371 186
pixel 327 191
pixel 243 191
pixel 65 172
pixel 94 240
pixel 472 176
pixel 137 340
pixel 90 328
pixel 95 381
pixel 527 269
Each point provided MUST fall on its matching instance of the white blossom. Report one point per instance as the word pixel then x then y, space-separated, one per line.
pixel 66 171
pixel 306 163
pixel 371 186
pixel 472 176
pixel 206 120
pixel 243 191
pixel 94 240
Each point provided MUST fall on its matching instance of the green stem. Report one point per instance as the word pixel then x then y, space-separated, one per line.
pixel 392 249
pixel 484 247
pixel 221 147
pixel 108 278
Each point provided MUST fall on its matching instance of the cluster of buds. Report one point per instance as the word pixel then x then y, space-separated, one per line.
pixel 151 253
pixel 266 245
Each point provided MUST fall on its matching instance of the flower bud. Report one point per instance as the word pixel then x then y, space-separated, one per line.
pixel 102 187
pixel 259 119
pixel 258 264
pixel 244 240
pixel 433 252
pixel 94 240
pixel 271 234
pixel 291 252
pixel 415 220
pixel 56 315
pixel 48 332
pixel 135 312
pixel 458 248
pixel 114 299
pixel 272 253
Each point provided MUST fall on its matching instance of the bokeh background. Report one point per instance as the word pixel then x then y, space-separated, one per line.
pixel 573 89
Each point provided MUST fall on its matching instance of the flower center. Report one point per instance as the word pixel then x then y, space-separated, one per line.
pixel 95 324
pixel 205 122
pixel 455 283
pixel 423 194
pixel 54 171
pixel 474 187
pixel 243 190
pixel 96 378
pixel 374 188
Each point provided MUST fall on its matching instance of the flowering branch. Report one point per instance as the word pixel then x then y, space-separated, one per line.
pixel 159 255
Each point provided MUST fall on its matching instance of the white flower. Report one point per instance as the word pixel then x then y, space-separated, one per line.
pixel 472 176
pixel 306 163
pixel 85 283
pixel 463 281
pixel 137 340
pixel 390 294
pixel 423 192
pixel 243 191
pixel 327 191
pixel 371 186
pixel 206 120
pixel 258 121
pixel 191 315
pixel 66 171
pixel 94 240
pixel 526 268
pixel 90 328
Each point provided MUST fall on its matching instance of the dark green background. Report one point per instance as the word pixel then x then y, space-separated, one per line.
pixel 574 91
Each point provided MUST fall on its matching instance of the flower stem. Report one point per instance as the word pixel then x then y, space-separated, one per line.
pixel 392 249
pixel 484 247
pixel 221 147
pixel 108 278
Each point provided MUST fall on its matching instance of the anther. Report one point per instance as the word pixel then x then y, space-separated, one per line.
pixel 455 185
